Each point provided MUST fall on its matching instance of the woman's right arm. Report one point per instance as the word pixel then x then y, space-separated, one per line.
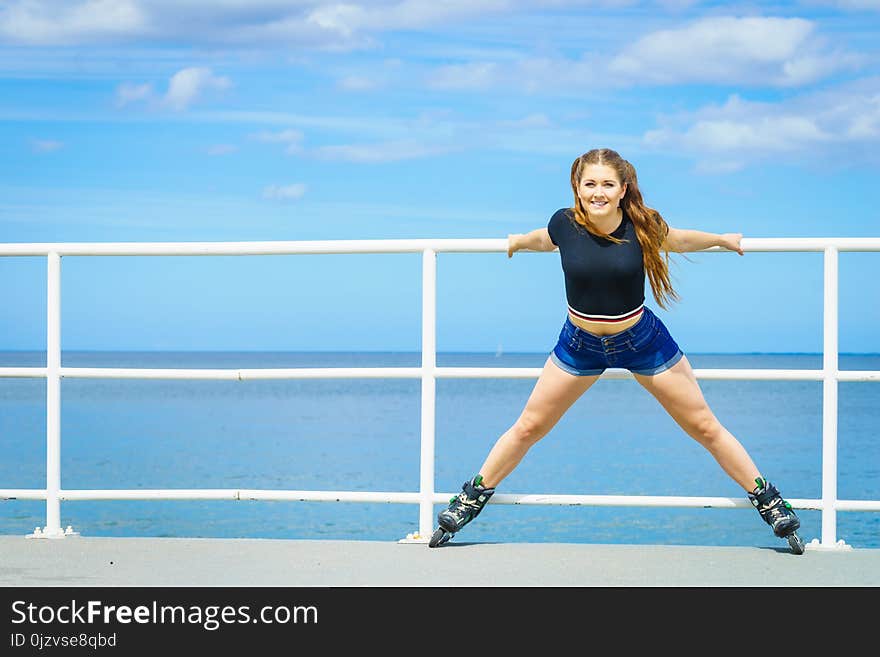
pixel 537 240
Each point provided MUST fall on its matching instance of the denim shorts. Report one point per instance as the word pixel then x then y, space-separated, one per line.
pixel 644 348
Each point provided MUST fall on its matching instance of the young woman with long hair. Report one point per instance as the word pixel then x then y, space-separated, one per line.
pixel 609 243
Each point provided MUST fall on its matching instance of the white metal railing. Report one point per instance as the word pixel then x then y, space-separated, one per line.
pixel 428 372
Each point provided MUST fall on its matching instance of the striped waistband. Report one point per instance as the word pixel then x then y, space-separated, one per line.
pixel 606 318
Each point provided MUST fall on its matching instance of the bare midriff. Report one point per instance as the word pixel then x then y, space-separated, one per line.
pixel 605 328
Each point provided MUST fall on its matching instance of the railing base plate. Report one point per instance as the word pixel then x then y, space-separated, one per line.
pixel 45 532
pixel 415 537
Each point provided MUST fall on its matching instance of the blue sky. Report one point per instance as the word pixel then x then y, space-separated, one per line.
pixel 215 120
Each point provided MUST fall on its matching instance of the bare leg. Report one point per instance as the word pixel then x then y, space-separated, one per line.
pixel 679 393
pixel 553 394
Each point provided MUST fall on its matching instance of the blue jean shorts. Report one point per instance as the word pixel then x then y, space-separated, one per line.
pixel 644 348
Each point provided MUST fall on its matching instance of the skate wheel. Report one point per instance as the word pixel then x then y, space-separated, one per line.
pixel 796 543
pixel 439 537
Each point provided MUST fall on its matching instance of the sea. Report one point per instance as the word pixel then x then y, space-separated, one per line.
pixel 364 435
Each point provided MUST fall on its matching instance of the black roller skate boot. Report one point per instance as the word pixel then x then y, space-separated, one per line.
pixel 463 508
pixel 777 513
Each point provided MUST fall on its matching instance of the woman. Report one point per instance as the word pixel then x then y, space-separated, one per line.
pixel 608 243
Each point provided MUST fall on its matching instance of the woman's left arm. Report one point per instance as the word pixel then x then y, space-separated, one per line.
pixel 685 241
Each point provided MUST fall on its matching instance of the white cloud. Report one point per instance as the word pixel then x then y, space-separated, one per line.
pixel 56 22
pixel 187 85
pixel 344 19
pixel 284 192
pixel 808 126
pixel 291 23
pixel 759 133
pixel 727 50
pixel 717 51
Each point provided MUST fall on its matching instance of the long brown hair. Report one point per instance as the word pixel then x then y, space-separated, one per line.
pixel 651 228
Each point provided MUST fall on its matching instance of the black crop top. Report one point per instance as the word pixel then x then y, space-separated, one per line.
pixel 604 281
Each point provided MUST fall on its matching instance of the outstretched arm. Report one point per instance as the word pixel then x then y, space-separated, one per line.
pixel 685 241
pixel 536 240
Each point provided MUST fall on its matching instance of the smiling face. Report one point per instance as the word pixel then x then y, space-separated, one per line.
pixel 600 191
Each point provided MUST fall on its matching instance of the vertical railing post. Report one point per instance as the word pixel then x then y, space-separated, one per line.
pixel 53 398
pixel 429 364
pixel 829 398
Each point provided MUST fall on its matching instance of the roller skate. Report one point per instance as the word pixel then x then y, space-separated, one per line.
pixel 463 508
pixel 777 513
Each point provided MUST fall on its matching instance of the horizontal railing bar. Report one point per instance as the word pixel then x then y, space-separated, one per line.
pixel 23 372
pixel 780 244
pixel 674 501
pixel 642 501
pixel 481 245
pixel 857 505
pixel 242 374
pixel 243 494
pixel 406 373
pixel 23 494
pixel 238 494
pixel 256 248
pixel 415 498
pixel 858 375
